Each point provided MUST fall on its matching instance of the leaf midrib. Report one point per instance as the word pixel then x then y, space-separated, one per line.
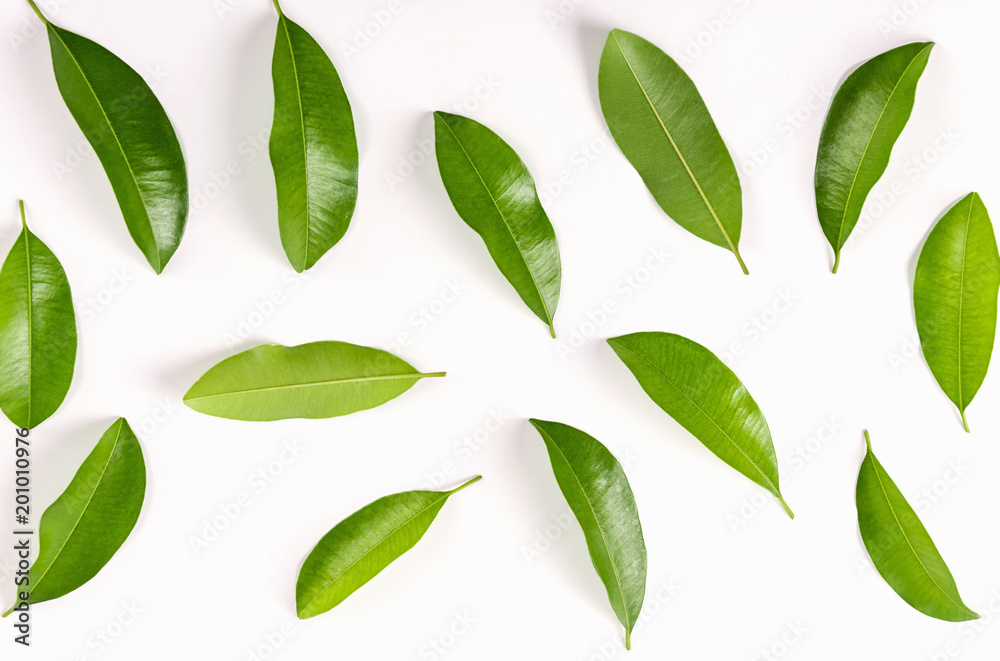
pixel 121 149
pixel 302 123
pixel 770 485
pixel 444 496
pixel 309 384
pixel 520 251
pixel 961 298
pixel 906 537
pixel 31 313
pixel 604 539
pixel 83 511
pixel 864 153
pixel 670 137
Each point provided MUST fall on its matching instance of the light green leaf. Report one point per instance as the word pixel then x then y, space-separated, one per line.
pixel 362 545
pixel 866 116
pixel 900 548
pixel 81 531
pixel 317 380
pixel 705 397
pixel 37 332
pixel 955 299
pixel 599 494
pixel 660 122
pixel 132 137
pixel 313 147
pixel 492 190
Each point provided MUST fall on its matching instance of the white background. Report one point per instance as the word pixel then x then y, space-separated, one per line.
pixel 744 576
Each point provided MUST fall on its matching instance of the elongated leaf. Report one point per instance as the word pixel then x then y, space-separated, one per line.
pixel 132 137
pixel 900 548
pixel 955 299
pixel 494 193
pixel 37 332
pixel 362 545
pixel 599 494
pixel 663 127
pixel 313 147
pixel 705 397
pixel 866 116
pixel 85 526
pixel 317 380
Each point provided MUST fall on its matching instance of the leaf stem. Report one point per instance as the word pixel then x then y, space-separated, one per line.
pixel 552 330
pixel 836 262
pixel 965 423
pixel 868 441
pixel 628 640
pixel 37 11
pixel 788 510
pixel 432 375
pixel 24 222
pixel 740 260
pixel 276 6
pixel 467 484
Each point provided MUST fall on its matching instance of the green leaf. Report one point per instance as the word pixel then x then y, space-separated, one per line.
pixel 37 332
pixel 599 494
pixel 705 397
pixel 900 548
pixel 317 380
pixel 866 117
pixel 313 147
pixel 85 526
pixel 492 190
pixel 664 129
pixel 955 299
pixel 132 137
pixel 362 545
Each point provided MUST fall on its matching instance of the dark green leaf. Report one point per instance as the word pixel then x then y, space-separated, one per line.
pixel 866 117
pixel 698 391
pixel 313 147
pixel 362 545
pixel 900 548
pixel 316 380
pixel 494 193
pixel 599 494
pixel 131 135
pixel 663 127
pixel 955 299
pixel 81 531
pixel 37 332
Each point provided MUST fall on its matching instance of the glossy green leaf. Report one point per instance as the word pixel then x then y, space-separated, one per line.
pixel 362 545
pixel 85 526
pixel 706 398
pixel 316 380
pixel 661 124
pixel 132 137
pixel 955 299
pixel 900 548
pixel 313 147
pixel 492 190
pixel 866 116
pixel 37 332
pixel 599 494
